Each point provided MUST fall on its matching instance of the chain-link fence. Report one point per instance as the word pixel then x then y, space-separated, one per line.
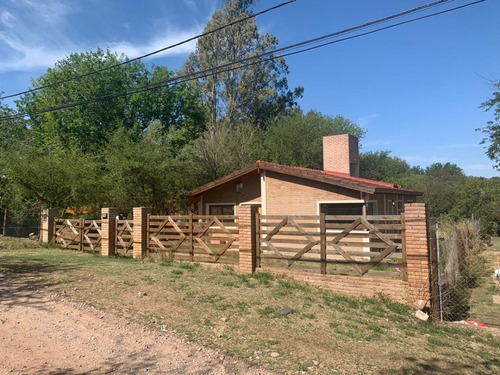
pixel 464 274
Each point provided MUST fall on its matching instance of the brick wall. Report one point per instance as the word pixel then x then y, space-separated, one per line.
pixel 397 290
pixel 290 195
pixel 339 152
pixel 108 231
pixel 140 233
pixel 246 227
pixel 417 252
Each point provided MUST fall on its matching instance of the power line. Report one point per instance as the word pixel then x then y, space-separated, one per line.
pixel 229 67
pixel 128 61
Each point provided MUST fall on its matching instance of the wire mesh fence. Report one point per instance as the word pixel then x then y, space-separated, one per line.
pixel 464 275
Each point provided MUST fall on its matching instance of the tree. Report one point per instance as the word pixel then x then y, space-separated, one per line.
pixel 224 148
pixel 254 93
pixel 492 130
pixel 89 126
pixel 149 170
pixel 380 166
pixel 479 197
pixel 297 139
pixel 440 185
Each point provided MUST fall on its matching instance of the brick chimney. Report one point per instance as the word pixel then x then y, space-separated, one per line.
pixel 341 154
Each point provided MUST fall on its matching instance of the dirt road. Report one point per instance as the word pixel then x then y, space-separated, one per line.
pixel 42 334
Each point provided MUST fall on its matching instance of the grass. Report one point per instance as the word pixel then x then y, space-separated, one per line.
pixel 483 309
pixel 325 332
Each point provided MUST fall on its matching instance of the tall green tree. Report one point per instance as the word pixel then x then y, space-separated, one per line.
pixel 251 92
pixel 224 148
pixel 479 198
pixel 297 139
pixel 440 185
pixel 148 170
pixel 492 130
pixel 89 126
pixel 380 166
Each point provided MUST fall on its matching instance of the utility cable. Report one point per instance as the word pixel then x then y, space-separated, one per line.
pixel 128 61
pixel 229 67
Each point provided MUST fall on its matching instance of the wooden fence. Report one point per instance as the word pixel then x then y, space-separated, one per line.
pixel 371 246
pixel 195 237
pixel 124 241
pixel 78 234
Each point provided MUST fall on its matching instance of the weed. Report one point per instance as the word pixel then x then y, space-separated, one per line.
pixel 266 312
pixel 211 298
pixel 263 277
pixel 177 272
pixel 189 266
pixel 293 285
pixel 245 280
pixel 309 316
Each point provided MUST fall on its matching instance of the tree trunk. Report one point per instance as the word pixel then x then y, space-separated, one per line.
pixel 4 221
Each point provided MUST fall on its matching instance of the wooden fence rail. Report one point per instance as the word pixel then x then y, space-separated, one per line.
pixel 348 245
pixel 78 234
pixel 201 238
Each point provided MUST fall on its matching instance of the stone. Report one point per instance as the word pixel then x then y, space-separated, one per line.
pixel 421 315
pixel 275 354
pixel 284 311
pixel 496 300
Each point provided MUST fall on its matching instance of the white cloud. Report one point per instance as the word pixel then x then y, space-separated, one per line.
pixel 191 4
pixel 7 19
pixel 168 37
pixel 50 11
pixel 35 34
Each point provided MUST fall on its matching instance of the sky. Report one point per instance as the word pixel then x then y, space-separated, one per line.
pixel 416 89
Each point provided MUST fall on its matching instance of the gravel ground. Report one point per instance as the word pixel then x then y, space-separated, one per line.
pixel 40 333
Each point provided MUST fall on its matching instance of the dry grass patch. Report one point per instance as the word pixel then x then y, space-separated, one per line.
pixel 324 332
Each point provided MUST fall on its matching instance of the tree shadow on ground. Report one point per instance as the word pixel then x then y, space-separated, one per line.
pixel 438 366
pixel 22 283
pixel 144 362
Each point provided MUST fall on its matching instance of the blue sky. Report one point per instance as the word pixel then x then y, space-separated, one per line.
pixel 416 89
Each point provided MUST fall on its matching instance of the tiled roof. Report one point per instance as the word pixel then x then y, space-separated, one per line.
pixel 329 177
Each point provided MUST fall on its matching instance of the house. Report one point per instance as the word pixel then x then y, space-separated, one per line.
pixel 286 190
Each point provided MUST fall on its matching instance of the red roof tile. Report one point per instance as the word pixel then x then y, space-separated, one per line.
pixel 330 177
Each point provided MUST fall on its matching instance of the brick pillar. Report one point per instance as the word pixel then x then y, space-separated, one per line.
pixel 417 253
pixel 140 233
pixel 108 230
pixel 47 224
pixel 246 226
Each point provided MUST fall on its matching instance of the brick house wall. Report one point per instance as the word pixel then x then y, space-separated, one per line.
pixel 290 195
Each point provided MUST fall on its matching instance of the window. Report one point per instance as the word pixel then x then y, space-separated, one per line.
pixel 372 208
pixel 341 208
pixel 221 209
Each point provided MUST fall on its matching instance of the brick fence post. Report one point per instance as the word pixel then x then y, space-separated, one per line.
pixel 417 253
pixel 108 230
pixel 47 224
pixel 246 228
pixel 140 232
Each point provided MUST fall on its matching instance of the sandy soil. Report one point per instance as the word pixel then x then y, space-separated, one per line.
pixel 39 333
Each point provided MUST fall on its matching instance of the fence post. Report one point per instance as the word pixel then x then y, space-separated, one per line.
pixel 140 234
pixel 417 254
pixel 108 231
pixel 246 229
pixel 81 241
pixel 191 244
pixel 322 242
pixel 47 224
